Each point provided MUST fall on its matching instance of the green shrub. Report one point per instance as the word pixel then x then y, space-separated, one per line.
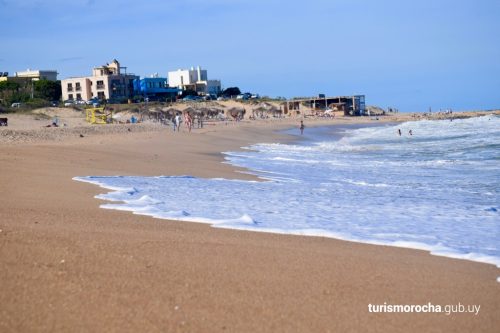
pixel 37 103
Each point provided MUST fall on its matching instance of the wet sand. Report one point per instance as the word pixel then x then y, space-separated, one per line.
pixel 67 265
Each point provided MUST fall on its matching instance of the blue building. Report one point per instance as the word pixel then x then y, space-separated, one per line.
pixel 154 88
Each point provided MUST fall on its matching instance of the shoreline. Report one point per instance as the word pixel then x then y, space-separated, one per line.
pixel 285 136
pixel 33 128
pixel 69 264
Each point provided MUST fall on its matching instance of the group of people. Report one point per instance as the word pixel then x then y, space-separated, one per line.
pixel 302 127
pixel 410 132
pixel 188 120
pixel 177 121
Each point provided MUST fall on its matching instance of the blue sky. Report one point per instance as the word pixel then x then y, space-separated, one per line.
pixel 407 54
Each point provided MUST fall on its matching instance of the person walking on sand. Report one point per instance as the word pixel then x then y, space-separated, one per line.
pixel 302 126
pixel 177 122
pixel 174 122
pixel 410 132
pixel 399 131
pixel 200 121
pixel 188 120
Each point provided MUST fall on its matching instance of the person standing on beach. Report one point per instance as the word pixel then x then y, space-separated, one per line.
pixel 177 122
pixel 302 126
pixel 174 122
pixel 399 131
pixel 188 120
pixel 200 121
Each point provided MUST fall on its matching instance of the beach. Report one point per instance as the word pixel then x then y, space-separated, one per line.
pixel 68 265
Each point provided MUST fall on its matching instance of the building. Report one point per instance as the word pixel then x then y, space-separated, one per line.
pixel 50 75
pixel 154 88
pixel 349 105
pixel 26 77
pixel 26 80
pixel 109 82
pixel 194 79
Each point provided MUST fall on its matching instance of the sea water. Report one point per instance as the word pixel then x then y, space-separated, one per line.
pixel 437 189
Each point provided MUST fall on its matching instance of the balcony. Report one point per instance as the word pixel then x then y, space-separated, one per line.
pixel 70 88
pixel 100 86
pixel 78 88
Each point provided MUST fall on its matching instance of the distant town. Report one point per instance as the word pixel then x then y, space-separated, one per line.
pixel 113 84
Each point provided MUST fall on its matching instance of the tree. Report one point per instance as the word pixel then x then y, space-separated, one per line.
pixel 48 90
pixel 9 92
pixel 9 85
pixel 231 91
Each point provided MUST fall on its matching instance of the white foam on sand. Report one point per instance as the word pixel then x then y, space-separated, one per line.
pixel 437 190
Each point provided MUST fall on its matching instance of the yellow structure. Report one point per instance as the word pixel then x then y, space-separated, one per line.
pixel 98 116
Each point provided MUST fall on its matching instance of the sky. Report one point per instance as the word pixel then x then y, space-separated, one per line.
pixel 410 55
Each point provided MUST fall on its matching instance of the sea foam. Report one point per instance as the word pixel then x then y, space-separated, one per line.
pixel 435 190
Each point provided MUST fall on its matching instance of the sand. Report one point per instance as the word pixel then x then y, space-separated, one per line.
pixel 67 265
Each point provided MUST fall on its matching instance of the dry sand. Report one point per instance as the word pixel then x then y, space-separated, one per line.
pixel 67 265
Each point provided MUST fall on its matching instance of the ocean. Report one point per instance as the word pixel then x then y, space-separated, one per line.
pixel 435 189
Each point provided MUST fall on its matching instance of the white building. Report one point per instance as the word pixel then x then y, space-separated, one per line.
pixel 107 82
pixel 50 75
pixel 194 79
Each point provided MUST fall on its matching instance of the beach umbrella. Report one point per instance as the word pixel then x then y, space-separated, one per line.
pixel 215 111
pixel 192 111
pixel 171 112
pixel 259 111
pixel 236 112
pixel 274 110
pixel 202 111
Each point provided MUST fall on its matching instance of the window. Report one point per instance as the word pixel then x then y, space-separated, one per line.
pixel 77 86
pixel 101 95
pixel 70 96
pixel 70 86
pixel 79 97
pixel 100 84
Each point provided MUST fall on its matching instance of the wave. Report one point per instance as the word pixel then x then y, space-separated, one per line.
pixel 437 190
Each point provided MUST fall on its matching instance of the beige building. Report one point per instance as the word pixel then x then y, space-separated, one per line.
pixel 26 77
pixel 50 75
pixel 106 83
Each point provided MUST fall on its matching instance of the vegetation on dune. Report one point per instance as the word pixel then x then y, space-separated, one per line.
pixel 47 90
pixel 32 94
